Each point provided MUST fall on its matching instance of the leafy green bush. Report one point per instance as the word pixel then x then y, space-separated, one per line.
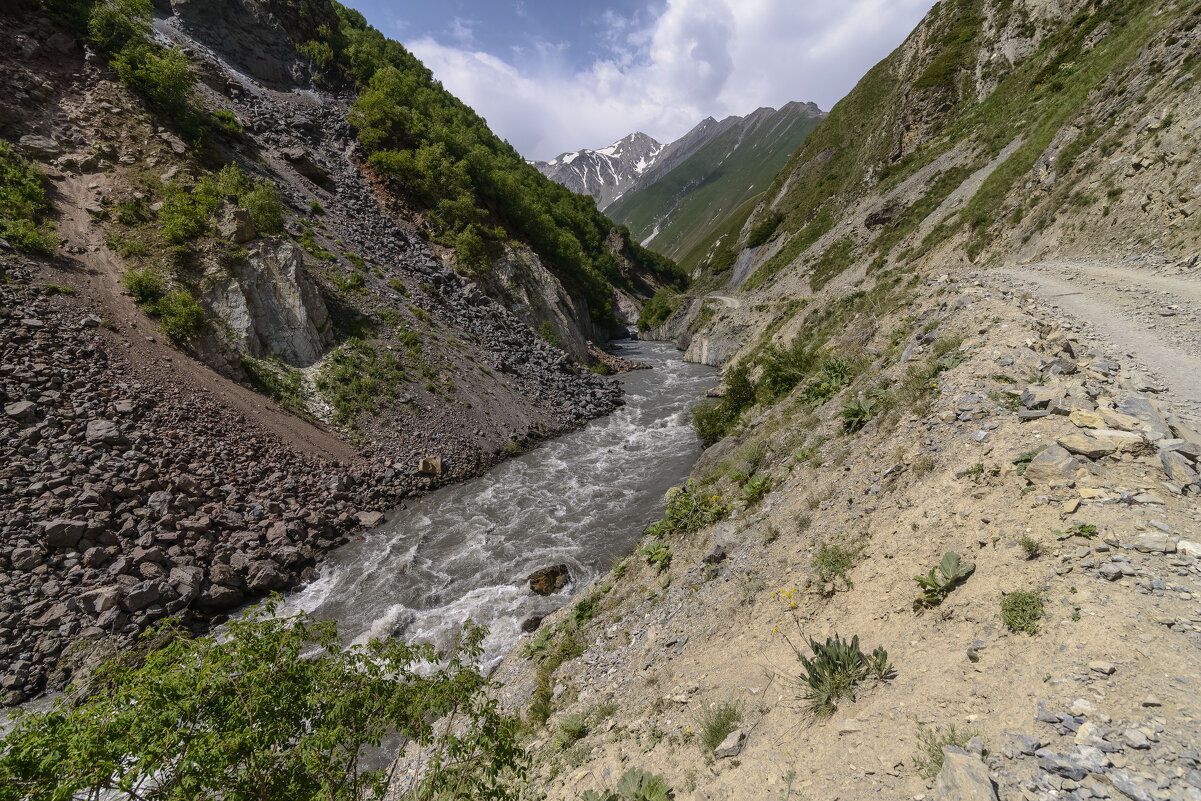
pixel 713 420
pixel 656 310
pixel 657 553
pixel 161 76
pixel 547 333
pixel 276 380
pixel 837 666
pixel 227 120
pixel 145 286
pixel 583 611
pixel 634 785
pixel 1031 547
pixel 180 316
pixel 689 508
pixel 764 229
pixel 572 729
pixel 756 487
pixel 715 723
pixel 356 377
pixel 835 373
pixel 185 212
pixel 23 205
pixel 934 589
pixel 265 205
pixel 1021 611
pixel 278 710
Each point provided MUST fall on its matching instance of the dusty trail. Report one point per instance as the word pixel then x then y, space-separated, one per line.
pixel 1151 317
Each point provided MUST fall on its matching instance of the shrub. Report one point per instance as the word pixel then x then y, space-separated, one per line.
pixel 934 589
pixel 472 251
pixel 715 724
pixel 161 76
pixel 547 333
pixel 834 561
pixel 1021 611
pixel 265 205
pixel 764 229
pixel 931 741
pixel 713 420
pixel 756 487
pixel 180 316
pixel 583 611
pixel 1031 547
pixel 571 730
pixel 657 553
pixel 185 213
pixel 277 381
pixel 356 377
pixel 227 120
pixel 278 710
pixel 837 666
pixel 689 508
pixel 23 205
pixel 145 286
pixel 656 310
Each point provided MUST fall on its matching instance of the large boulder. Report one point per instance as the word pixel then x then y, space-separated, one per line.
pixel 963 778
pixel 1053 465
pixel 549 580
pixel 63 533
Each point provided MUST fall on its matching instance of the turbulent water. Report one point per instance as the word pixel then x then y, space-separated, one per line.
pixel 464 552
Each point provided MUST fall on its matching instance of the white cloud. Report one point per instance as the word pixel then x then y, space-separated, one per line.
pixel 698 58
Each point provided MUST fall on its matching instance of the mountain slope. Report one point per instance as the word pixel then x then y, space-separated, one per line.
pixel 607 173
pixel 708 173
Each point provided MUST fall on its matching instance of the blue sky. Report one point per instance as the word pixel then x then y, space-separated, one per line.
pixel 555 76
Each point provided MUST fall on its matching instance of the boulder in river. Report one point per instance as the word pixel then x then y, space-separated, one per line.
pixel 549 580
pixel 531 624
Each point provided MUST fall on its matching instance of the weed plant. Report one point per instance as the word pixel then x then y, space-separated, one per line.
pixel 1021 611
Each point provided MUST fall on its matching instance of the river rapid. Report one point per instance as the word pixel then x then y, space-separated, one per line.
pixel 464 552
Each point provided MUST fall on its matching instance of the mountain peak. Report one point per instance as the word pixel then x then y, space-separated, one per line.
pixel 604 173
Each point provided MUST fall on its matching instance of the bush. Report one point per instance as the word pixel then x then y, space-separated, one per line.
pixel 656 310
pixel 185 213
pixel 834 561
pixel 1031 547
pixel 23 205
pixel 180 316
pixel 356 377
pixel 571 730
pixel 278 710
pixel 712 420
pixel 756 487
pixel 277 381
pixel 764 229
pixel 657 553
pixel 227 120
pixel 1021 611
pixel 145 286
pixel 689 508
pixel 161 76
pixel 856 414
pixel 837 666
pixel 547 333
pixel 715 724
pixel 265 205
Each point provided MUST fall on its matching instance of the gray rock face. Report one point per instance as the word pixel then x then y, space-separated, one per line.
pixel 732 745
pixel 21 410
pixel 1052 465
pixel 272 305
pixel 234 224
pixel 963 778
pixel 1178 468
pixel 62 533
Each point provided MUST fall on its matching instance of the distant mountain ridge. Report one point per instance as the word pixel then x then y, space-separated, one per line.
pixel 701 178
pixel 607 173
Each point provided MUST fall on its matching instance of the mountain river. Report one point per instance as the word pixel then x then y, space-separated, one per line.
pixel 464 551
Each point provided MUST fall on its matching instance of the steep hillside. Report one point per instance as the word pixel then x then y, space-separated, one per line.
pixel 236 329
pixel 607 173
pixel 944 541
pixel 706 175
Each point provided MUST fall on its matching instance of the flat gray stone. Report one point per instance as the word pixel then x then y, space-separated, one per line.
pixel 103 431
pixel 963 778
pixel 1155 542
pixel 732 745
pixel 1054 464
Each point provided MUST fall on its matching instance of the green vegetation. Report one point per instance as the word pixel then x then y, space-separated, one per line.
pixel 356 378
pixel 656 310
pixel 476 188
pixel 713 184
pixel 273 378
pixel 836 667
pixel 657 553
pixel 713 420
pixel 714 724
pixel 634 785
pixel 227 120
pixel 23 205
pixel 856 414
pixel 1021 611
pixel 931 741
pixel 689 508
pixel 764 229
pixel 548 650
pixel 936 589
pixel 1023 461
pixel 834 561
pixel 181 317
pixel 755 488
pixel 279 710
pixel 57 289
pixel 548 334
pixel 1031 547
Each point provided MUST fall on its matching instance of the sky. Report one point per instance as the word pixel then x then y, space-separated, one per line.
pixel 553 76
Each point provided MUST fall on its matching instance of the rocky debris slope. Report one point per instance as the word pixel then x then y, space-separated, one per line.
pixel 1039 460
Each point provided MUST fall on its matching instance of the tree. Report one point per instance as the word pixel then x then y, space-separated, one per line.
pixel 277 711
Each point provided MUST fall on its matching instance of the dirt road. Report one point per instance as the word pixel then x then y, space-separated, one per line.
pixel 1149 314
